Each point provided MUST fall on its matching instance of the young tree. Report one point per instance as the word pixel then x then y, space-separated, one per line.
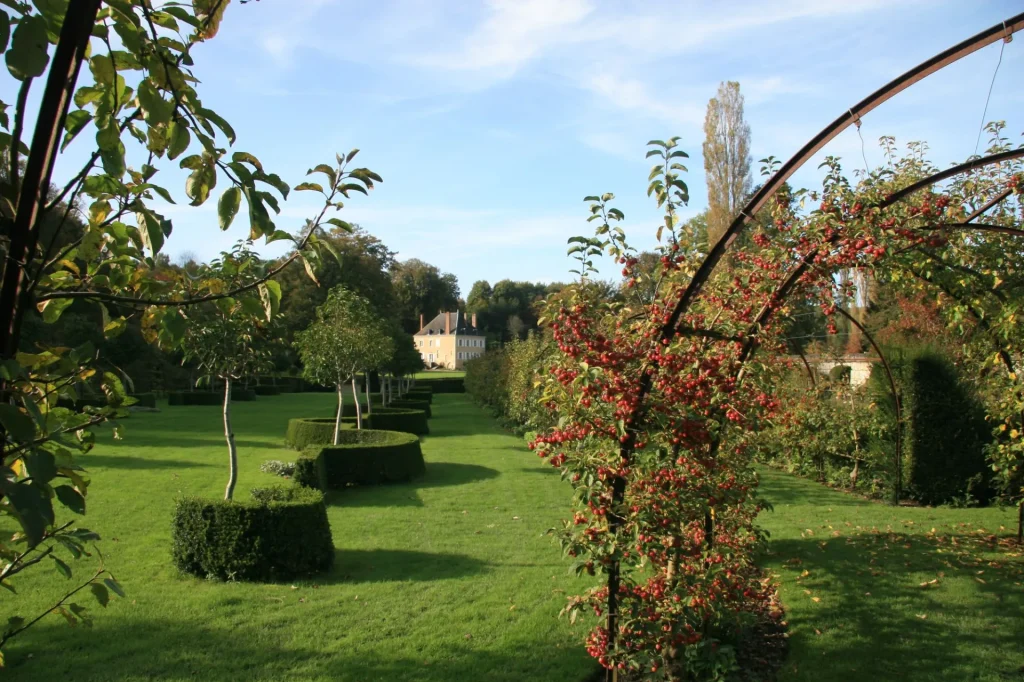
pixel 726 158
pixel 139 112
pixel 221 339
pixel 346 338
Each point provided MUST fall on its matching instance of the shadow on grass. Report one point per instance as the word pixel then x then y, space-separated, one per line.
pixel 90 461
pixel 163 440
pixel 790 489
pixel 889 599
pixel 389 565
pixel 135 649
pixel 439 474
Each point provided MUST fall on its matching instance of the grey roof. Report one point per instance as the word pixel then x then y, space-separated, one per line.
pixel 460 324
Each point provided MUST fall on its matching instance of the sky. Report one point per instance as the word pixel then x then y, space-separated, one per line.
pixel 490 121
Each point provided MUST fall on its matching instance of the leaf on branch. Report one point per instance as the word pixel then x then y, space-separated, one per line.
pixel 308 186
pixel 70 498
pixel 28 56
pixel 100 592
pixel 227 207
pixel 270 294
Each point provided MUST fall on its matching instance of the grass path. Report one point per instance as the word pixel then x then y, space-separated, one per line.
pixel 447 578
pixel 450 578
pixel 880 593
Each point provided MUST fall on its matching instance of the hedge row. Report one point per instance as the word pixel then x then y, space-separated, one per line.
pixel 417 393
pixel 285 538
pixel 443 384
pixel 266 390
pixel 141 400
pixel 409 404
pixel 366 457
pixel 302 433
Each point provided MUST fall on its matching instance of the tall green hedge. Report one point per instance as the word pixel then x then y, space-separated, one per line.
pixel 366 457
pixel 283 539
pixel 409 404
pixel 266 390
pixel 302 433
pixel 417 393
pixel 944 427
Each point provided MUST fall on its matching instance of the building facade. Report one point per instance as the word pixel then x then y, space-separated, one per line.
pixel 449 340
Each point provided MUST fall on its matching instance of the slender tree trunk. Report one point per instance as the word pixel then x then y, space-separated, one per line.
pixel 1020 523
pixel 230 436
pixel 359 409
pixel 337 418
pixel 366 392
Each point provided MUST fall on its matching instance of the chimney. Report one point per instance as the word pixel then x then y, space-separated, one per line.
pixel 447 323
pixel 421 321
pixel 474 320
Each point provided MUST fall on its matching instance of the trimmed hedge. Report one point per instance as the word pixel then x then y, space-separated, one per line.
pixel 394 419
pixel 366 457
pixel 302 433
pixel 944 433
pixel 410 404
pixel 266 390
pixel 282 539
pixel 142 400
pixel 242 395
pixel 419 394
pixel 443 384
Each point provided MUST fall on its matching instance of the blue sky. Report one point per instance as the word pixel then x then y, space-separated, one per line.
pixel 490 121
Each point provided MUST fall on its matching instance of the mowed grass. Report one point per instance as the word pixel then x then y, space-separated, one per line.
pixel 450 578
pixel 877 593
pixel 445 578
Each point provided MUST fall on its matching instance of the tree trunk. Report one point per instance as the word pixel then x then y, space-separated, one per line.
pixel 230 436
pixel 1020 523
pixel 359 409
pixel 337 418
pixel 366 392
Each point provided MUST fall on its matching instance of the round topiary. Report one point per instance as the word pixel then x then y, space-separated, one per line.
pixel 365 457
pixel 408 404
pixel 283 536
pixel 305 432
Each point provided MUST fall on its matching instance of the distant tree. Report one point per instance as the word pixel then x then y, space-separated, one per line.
pixel 405 362
pixel 726 158
pixel 346 338
pixel 421 289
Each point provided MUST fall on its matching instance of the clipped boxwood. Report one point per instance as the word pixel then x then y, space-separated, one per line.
pixel 309 470
pixel 366 457
pixel 266 390
pixel 195 398
pixel 394 419
pixel 443 384
pixel 145 400
pixel 409 404
pixel 302 433
pixel 419 394
pixel 282 539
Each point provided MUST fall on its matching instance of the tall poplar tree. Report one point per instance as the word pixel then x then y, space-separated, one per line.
pixel 726 158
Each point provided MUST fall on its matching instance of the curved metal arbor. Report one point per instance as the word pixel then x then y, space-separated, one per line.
pixel 1002 31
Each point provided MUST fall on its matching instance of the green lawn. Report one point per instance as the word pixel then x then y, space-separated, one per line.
pixel 440 374
pixel 450 578
pixel 852 574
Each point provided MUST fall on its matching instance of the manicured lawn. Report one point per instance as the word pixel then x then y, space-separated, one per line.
pixel 447 578
pixel 852 574
pixel 450 577
pixel 440 374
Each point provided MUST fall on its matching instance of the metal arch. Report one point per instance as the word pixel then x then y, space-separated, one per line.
pixel 959 169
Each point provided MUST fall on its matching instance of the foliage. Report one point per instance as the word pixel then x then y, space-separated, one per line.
pixel 507 303
pixel 370 457
pixel 443 384
pixel 421 405
pixel 278 468
pixel 139 113
pixel 195 398
pixel 505 380
pixel 726 158
pixel 406 420
pixel 279 536
pixel 945 434
pixel 422 289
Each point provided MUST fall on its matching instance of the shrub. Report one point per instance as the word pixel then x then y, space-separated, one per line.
pixel 944 432
pixel 302 433
pixel 443 384
pixel 195 398
pixel 840 374
pixel 503 380
pixel 417 393
pixel 277 467
pixel 310 472
pixel 242 395
pixel 349 408
pixel 281 535
pixel 266 390
pixel 410 404
pixel 366 457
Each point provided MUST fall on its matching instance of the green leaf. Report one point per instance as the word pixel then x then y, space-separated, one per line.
pixel 70 498
pixel 178 138
pixel 155 109
pixel 27 56
pixel 227 206
pixel 31 507
pixel 64 569
pixel 219 122
pixel 151 231
pixel 41 466
pixel 308 186
pixel 270 293
pixel 5 32
pixel 100 592
pixel 73 124
pixel 340 224
pixel 111 150
pixel 326 170
pixel 17 423
pixel 175 325
pixel 114 586
pixel 309 270
pixel 246 157
pixel 53 308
